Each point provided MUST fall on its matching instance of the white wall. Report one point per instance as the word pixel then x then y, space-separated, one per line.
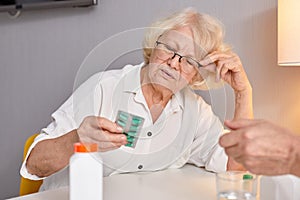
pixel 41 51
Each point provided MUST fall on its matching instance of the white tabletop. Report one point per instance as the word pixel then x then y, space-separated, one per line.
pixel 188 182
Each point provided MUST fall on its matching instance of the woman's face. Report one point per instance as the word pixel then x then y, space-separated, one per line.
pixel 173 71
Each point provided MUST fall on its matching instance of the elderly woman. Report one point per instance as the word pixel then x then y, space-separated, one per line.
pixel 182 51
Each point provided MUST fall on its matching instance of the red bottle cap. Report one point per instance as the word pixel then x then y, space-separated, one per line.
pixel 85 147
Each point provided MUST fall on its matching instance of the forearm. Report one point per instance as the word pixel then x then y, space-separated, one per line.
pixel 50 156
pixel 243 110
pixel 243 104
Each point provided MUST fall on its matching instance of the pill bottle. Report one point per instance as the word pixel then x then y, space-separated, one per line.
pixel 86 173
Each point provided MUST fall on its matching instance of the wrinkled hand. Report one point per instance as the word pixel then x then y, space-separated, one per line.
pixel 228 67
pixel 107 134
pixel 262 147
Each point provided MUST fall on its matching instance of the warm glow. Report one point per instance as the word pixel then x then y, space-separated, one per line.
pixel 289 32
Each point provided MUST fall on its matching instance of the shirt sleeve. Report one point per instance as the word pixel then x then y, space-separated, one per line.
pixel 205 149
pixel 69 116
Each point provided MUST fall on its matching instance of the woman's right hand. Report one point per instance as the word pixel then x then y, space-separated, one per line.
pixel 107 134
pixel 228 67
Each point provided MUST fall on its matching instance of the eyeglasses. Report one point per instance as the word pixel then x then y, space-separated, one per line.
pixel 166 52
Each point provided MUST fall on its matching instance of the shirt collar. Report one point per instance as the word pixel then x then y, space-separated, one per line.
pixel 132 80
pixel 177 100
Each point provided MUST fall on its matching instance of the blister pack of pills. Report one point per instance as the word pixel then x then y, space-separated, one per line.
pixel 132 125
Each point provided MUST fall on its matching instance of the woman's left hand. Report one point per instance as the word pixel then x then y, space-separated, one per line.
pixel 228 67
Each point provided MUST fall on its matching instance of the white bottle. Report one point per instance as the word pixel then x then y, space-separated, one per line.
pixel 86 173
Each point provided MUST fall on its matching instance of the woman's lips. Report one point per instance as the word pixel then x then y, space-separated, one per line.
pixel 167 73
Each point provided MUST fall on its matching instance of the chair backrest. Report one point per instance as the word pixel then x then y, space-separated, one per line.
pixel 29 186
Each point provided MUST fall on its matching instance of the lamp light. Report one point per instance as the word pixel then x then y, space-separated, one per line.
pixel 288 32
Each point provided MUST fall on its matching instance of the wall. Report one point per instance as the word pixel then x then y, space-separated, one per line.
pixel 41 52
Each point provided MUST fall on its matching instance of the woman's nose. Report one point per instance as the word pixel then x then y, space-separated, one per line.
pixel 174 61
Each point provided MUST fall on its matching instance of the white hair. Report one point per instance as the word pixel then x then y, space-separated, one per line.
pixel 208 34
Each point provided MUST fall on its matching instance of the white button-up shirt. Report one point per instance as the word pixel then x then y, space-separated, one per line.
pixel 187 131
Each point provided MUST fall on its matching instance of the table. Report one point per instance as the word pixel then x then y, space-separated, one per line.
pixel 187 183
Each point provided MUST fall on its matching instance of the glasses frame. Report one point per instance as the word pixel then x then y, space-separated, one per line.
pixel 175 53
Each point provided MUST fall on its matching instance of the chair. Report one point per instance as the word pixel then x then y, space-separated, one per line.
pixel 29 186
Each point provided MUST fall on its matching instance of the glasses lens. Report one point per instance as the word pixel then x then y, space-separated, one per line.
pixel 192 62
pixel 163 51
pixel 188 64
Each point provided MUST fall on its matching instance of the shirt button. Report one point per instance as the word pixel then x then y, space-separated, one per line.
pixel 149 133
pixel 140 166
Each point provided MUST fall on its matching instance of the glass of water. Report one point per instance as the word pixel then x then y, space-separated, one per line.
pixel 236 185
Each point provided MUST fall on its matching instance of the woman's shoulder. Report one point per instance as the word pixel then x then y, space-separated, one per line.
pixel 113 74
